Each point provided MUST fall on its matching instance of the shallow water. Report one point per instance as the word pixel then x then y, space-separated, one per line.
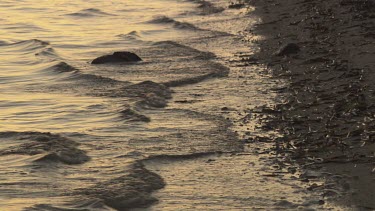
pixel 76 136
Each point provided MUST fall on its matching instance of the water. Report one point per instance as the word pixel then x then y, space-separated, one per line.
pixel 76 136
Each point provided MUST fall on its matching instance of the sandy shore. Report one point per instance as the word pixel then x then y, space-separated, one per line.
pixel 325 52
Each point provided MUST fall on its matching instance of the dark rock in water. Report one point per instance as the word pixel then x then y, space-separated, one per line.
pixel 224 108
pixel 236 6
pixel 290 48
pixel 117 57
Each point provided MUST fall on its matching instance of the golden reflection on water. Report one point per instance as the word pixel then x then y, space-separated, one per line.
pixel 51 112
pixel 80 22
pixel 74 32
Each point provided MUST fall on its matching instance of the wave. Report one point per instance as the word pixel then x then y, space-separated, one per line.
pixel 46 147
pixel 148 94
pixel 23 27
pixel 54 70
pixel 160 158
pixel 174 23
pixel 197 79
pixel 48 52
pixel 3 43
pixel 63 67
pixel 206 7
pixel 91 12
pixel 144 89
pixel 92 205
pixel 29 49
pixel 183 50
pixel 27 45
pixel 212 70
pixel 133 116
pixel 132 190
pixel 135 188
pixel 136 37
pixel 77 76
pixel 91 78
pixel 32 42
pixel 87 84
pixel 133 35
pixel 151 100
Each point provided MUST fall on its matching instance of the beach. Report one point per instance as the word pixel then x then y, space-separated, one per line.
pixel 326 52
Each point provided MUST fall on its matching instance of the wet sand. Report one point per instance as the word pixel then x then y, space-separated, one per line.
pixel 325 51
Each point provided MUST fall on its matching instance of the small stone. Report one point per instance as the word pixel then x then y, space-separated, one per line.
pixel 292 170
pixel 224 108
pixel 312 187
pixel 117 57
pixel 236 6
pixel 210 160
pixel 305 180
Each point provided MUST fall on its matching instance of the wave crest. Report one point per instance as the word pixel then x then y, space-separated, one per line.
pixel 133 190
pixel 50 147
pixel 174 23
pixel 91 12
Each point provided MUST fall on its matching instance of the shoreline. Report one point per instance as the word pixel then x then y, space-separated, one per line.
pixel 182 111
pixel 324 51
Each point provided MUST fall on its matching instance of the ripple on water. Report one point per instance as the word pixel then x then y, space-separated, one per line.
pixel 50 147
pixel 90 13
